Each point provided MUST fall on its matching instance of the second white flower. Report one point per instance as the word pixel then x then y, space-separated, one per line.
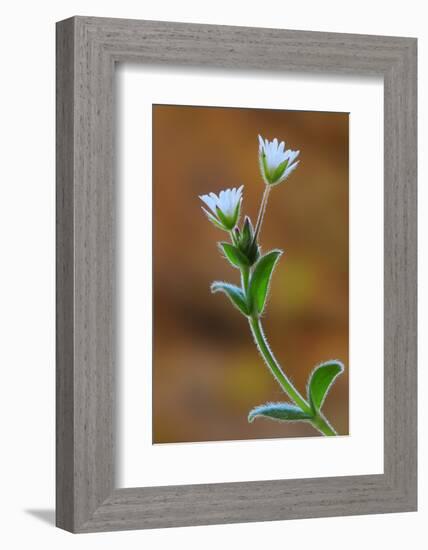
pixel 276 162
pixel 225 207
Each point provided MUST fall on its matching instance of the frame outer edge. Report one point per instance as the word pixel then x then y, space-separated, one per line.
pixel 94 274
pixel 400 316
pixel 65 109
pixel 86 498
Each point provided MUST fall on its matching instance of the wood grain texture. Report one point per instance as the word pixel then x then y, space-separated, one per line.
pixel 64 277
pixel 87 50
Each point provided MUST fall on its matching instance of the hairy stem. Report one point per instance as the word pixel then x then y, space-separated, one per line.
pixel 245 278
pixel 245 271
pixel 262 211
pixel 319 421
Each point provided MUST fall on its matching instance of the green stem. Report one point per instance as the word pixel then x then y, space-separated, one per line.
pixel 319 421
pixel 262 211
pixel 245 271
pixel 245 276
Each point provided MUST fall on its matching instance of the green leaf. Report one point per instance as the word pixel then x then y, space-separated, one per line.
pixel 247 234
pixel 224 219
pixel 265 169
pixel 320 382
pixel 234 293
pixel 253 253
pixel 234 255
pixel 214 220
pixel 236 235
pixel 280 169
pixel 237 212
pixel 260 279
pixel 246 243
pixel 279 411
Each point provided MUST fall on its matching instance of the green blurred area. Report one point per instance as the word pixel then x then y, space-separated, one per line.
pixel 207 373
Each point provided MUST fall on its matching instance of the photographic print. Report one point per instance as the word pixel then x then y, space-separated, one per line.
pixel 250 273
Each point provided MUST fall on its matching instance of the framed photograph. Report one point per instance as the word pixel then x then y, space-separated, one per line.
pixel 236 274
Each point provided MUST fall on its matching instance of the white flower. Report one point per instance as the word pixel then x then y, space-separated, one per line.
pixel 276 163
pixel 225 207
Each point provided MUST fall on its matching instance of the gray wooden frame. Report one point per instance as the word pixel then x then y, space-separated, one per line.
pixel 87 50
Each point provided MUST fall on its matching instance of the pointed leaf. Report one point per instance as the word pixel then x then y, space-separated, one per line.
pixel 320 382
pixel 234 255
pixel 236 235
pixel 224 219
pixel 214 220
pixel 234 293
pixel 253 253
pixel 279 170
pixel 265 169
pixel 247 234
pixel 279 411
pixel 237 212
pixel 260 279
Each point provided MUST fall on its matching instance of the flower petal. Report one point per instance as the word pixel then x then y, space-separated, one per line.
pixel 213 219
pixel 209 201
pixel 289 170
pixel 292 155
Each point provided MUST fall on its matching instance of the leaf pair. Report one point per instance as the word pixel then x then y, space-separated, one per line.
pixel 320 383
pixel 254 301
pixel 244 251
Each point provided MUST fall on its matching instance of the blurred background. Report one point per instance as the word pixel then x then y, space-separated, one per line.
pixel 207 373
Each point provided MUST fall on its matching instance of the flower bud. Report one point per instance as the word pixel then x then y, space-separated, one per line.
pixel 246 242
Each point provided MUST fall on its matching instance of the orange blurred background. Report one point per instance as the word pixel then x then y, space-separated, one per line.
pixel 207 373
